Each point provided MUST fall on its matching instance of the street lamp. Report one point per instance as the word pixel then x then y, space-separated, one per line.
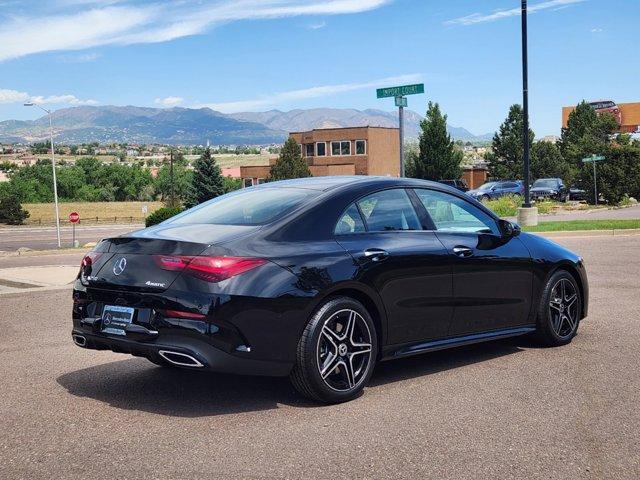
pixel 53 167
pixel 527 215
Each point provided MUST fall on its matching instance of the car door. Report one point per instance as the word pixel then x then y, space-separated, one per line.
pixel 406 264
pixel 492 273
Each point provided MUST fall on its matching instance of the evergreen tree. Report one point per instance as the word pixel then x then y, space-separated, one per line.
pixel 290 163
pixel 437 158
pixel 505 161
pixel 206 182
pixel 11 212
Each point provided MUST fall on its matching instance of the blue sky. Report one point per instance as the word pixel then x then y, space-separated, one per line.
pixel 236 55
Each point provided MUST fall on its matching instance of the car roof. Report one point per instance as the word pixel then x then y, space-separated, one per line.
pixel 329 183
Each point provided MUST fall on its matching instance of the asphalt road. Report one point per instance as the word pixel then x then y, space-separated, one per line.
pixel 501 410
pixel 42 238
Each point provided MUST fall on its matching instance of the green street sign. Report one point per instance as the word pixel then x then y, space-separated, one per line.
pixel 401 101
pixel 593 158
pixel 400 91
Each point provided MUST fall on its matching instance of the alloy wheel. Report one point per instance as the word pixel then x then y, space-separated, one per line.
pixel 344 350
pixel 563 308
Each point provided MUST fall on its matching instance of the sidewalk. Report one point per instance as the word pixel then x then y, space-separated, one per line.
pixel 34 278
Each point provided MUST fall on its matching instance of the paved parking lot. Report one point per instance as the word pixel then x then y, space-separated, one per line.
pixel 501 410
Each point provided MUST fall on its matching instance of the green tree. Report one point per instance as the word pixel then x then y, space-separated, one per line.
pixel 11 212
pixel 547 161
pixel 437 158
pixel 290 163
pixel 505 161
pixel 206 182
pixel 182 180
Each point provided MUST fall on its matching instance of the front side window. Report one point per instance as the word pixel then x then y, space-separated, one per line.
pixel 389 210
pixel 350 222
pixel 255 206
pixel 309 149
pixel 361 147
pixel 452 214
pixel 321 149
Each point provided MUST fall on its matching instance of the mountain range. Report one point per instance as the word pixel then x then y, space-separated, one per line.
pixel 106 124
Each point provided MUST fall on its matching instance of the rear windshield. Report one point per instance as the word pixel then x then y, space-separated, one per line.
pixel 251 206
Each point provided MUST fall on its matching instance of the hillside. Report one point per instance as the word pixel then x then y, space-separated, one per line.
pixel 132 124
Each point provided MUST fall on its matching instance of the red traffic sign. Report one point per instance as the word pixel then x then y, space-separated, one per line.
pixel 74 217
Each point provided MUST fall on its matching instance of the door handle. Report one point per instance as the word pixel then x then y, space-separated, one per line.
pixel 375 254
pixel 462 252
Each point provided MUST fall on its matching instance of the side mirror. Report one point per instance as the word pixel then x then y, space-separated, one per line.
pixel 509 229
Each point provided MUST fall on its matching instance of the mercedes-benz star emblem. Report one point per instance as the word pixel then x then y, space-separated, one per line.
pixel 119 267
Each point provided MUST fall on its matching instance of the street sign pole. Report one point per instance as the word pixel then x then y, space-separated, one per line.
pixel 401 102
pixel 593 159
pixel 595 185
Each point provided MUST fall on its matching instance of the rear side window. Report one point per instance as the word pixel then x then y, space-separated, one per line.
pixel 350 222
pixel 389 210
pixel 251 206
pixel 452 214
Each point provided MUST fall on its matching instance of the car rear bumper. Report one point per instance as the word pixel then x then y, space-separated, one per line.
pixel 183 351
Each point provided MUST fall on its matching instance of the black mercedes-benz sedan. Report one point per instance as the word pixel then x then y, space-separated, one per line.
pixel 321 278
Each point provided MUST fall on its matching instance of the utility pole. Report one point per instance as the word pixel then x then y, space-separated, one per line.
pixel 525 107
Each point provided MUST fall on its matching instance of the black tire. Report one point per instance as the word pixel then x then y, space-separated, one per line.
pixel 348 365
pixel 559 311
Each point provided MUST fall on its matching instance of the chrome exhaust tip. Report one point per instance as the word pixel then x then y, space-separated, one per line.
pixel 79 340
pixel 180 359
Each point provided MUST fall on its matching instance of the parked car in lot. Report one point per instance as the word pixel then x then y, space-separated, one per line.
pixel 549 188
pixel 491 190
pixel 320 278
pixel 576 192
pixel 459 184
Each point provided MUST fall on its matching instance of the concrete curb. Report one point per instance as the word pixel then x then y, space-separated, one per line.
pixel 620 232
pixel 36 253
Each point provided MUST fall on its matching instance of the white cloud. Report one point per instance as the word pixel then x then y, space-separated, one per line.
pixel 80 57
pixel 597 30
pixel 513 12
pixel 14 96
pixel 317 26
pixel 280 98
pixel 169 101
pixel 127 23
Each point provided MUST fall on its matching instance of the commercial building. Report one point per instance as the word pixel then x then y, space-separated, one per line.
pixel 341 151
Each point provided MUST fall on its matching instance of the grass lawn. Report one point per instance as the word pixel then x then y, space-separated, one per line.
pixel 107 212
pixel 573 225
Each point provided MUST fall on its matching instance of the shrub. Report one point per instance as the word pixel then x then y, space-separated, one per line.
pixel 11 212
pixel 506 206
pixel 161 215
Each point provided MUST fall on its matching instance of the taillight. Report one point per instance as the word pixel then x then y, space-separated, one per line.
pixel 90 258
pixel 210 269
pixel 171 262
pixel 182 314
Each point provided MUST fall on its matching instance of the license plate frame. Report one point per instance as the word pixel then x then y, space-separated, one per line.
pixel 115 319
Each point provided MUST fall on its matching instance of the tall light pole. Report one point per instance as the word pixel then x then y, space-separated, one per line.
pixel 53 167
pixel 527 215
pixel 525 106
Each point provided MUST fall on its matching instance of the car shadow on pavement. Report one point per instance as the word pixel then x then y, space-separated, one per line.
pixel 438 361
pixel 135 384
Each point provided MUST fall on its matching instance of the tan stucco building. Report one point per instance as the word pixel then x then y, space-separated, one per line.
pixel 341 151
